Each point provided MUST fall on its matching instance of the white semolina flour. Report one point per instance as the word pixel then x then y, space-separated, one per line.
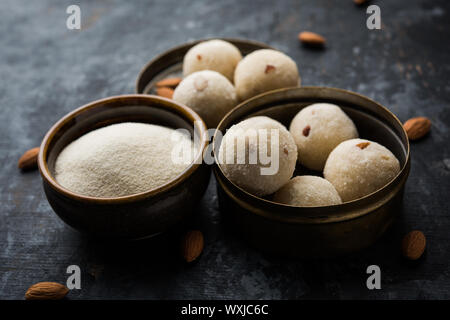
pixel 122 159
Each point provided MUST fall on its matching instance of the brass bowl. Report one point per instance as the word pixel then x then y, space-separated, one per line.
pixel 316 232
pixel 170 63
pixel 135 216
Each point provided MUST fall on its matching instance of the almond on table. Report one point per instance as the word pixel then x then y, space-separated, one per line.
pixel 417 128
pixel 192 245
pixel 360 2
pixel 413 245
pixel 46 291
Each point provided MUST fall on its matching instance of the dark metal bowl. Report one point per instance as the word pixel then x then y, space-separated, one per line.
pixel 135 216
pixel 316 231
pixel 170 62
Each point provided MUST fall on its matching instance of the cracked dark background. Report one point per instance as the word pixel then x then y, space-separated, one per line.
pixel 47 70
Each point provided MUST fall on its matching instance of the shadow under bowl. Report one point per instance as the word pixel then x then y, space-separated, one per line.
pixel 315 232
pixel 128 217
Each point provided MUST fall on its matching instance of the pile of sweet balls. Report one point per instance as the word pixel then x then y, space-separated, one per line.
pixel 321 137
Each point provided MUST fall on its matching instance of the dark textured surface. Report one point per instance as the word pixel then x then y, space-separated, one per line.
pixel 47 70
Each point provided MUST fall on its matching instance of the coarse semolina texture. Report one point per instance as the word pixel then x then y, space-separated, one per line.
pixel 308 191
pixel 123 159
pixel 358 167
pixel 216 55
pixel 240 155
pixel 317 130
pixel 209 94
pixel 264 70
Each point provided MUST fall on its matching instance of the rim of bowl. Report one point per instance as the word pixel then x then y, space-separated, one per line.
pixel 263 200
pixel 178 108
pixel 190 44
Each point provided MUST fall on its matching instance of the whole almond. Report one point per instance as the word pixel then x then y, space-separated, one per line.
pixel 28 160
pixel 311 38
pixel 192 245
pixel 416 128
pixel 413 245
pixel 164 92
pixel 359 2
pixel 168 82
pixel 46 291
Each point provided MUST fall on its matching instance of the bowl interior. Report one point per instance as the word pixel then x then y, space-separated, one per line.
pixel 373 121
pixel 150 110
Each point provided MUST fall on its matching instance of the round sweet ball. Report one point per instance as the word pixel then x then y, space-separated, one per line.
pixel 308 191
pixel 208 93
pixel 216 55
pixel 317 130
pixel 264 70
pixel 258 154
pixel 358 167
